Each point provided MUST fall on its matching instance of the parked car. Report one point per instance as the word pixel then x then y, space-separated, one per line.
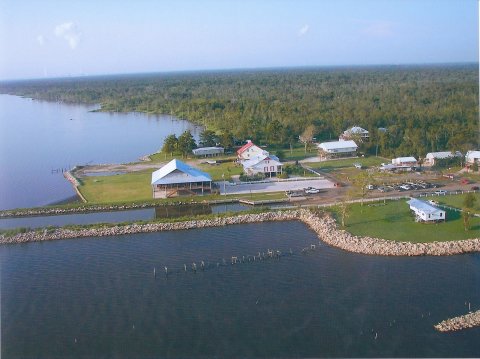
pixel 475 188
pixel 358 165
pixel 440 192
pixel 370 186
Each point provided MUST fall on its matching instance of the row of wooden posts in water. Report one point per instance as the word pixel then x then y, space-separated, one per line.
pixel 260 256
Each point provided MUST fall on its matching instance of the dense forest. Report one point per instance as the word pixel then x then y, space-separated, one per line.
pixel 423 108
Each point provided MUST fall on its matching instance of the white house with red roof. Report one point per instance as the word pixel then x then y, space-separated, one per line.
pixel 249 151
pixel 255 160
pixel 267 164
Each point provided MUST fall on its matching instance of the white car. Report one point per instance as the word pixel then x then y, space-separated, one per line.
pixel 440 192
pixel 312 190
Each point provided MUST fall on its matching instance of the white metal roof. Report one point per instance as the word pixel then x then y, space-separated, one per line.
pixel 207 150
pixel 443 154
pixel 337 145
pixel 424 207
pixel 255 160
pixel 177 171
pixel 405 159
pixel 356 130
pixel 473 154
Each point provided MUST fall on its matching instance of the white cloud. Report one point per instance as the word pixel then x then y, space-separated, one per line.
pixel 379 29
pixel 303 30
pixel 41 40
pixel 69 32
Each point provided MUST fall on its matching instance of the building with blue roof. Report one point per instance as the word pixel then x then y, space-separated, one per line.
pixel 177 178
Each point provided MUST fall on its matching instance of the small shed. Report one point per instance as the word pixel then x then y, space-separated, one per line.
pixel 426 212
pixel 208 151
pixel 177 178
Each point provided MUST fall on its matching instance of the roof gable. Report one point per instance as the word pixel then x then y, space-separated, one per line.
pixel 245 147
pixel 177 171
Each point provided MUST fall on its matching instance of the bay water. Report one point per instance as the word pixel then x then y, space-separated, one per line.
pixel 38 139
pixel 98 297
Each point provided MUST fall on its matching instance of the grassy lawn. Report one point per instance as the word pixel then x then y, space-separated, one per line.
pixel 298 152
pixel 135 187
pixel 119 188
pixel 332 165
pixel 455 201
pixel 216 170
pixel 393 221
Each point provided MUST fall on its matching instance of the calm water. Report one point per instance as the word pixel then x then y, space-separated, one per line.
pixel 38 137
pixel 99 298
pixel 120 216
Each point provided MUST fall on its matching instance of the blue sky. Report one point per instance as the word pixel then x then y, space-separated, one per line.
pixel 47 38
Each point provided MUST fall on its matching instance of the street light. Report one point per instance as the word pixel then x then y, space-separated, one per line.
pixel 224 184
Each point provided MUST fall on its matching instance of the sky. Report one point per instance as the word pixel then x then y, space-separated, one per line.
pixel 48 38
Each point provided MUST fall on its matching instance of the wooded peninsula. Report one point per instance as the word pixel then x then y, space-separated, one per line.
pixel 418 109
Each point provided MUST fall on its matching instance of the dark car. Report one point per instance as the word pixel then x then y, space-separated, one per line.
pixel 475 188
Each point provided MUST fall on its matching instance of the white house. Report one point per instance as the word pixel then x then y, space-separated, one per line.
pixel 425 212
pixel 208 151
pixel 176 178
pixel 266 164
pixel 432 156
pixel 472 157
pixel 250 150
pixel 405 162
pixel 355 132
pixel 338 148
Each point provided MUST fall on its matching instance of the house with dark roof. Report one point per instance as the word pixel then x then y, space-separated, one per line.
pixel 177 178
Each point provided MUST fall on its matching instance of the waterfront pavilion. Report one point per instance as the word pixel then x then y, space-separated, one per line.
pixel 177 178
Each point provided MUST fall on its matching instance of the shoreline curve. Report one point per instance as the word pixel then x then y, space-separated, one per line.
pixel 324 226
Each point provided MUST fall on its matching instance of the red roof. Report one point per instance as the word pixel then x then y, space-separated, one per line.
pixel 245 147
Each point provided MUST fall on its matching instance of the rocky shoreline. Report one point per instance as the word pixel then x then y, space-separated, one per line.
pixel 466 321
pixel 321 223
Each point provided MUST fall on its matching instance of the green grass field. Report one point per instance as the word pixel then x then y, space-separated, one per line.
pixel 135 187
pixel 298 152
pixel 128 187
pixel 455 201
pixel 346 163
pixel 216 170
pixel 394 221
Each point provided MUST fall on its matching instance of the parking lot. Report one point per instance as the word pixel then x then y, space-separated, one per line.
pixel 274 186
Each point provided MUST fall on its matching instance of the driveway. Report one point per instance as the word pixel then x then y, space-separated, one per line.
pixel 275 186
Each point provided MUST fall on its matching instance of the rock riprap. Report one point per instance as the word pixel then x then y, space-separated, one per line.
pixel 466 321
pixel 322 224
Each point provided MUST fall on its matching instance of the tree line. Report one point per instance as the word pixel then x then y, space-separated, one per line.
pixel 423 108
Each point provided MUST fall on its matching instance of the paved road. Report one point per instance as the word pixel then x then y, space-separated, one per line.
pixel 276 186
